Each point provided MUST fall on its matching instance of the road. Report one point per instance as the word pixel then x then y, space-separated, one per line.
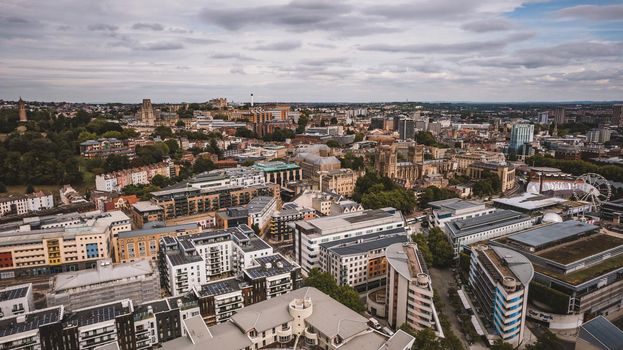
pixel 443 280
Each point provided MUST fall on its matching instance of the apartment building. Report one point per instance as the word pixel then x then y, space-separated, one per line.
pixel 48 245
pixel 16 300
pixel 326 203
pixel 280 229
pixel 144 212
pixel 306 315
pixel 453 209
pixel 310 234
pixel 144 244
pixel 359 261
pixel 27 203
pixel 409 290
pixel 138 281
pixel 498 280
pixel 103 148
pixel 501 222
pixel 117 180
pixel 194 260
pixel 257 212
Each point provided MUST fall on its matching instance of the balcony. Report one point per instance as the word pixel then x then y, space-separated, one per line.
pixel 284 333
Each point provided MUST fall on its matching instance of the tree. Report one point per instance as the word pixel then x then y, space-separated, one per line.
pixel 500 345
pixel 324 282
pixel 214 149
pixel 30 189
pixel 352 162
pixel 333 121
pixel 85 135
pixel 424 339
pixel 160 181
pixel 302 122
pixel 246 133
pixel 440 248
pixel 322 123
pixel 422 245
pixel 2 187
pixel 333 144
pixel 359 137
pixel 163 131
pixel 180 123
pixel 434 193
pixel 116 162
pixel 547 341
pixel 202 165
pixel 173 146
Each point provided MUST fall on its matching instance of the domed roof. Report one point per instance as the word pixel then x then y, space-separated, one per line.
pixel 551 218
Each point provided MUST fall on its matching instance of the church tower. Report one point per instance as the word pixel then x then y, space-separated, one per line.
pixel 147 113
pixel 22 110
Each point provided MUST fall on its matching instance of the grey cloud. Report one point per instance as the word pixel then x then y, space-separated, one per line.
pixel 324 61
pixel 237 70
pixel 430 10
pixel 278 46
pixel 179 30
pixel 593 12
pixel 160 46
pixel 204 41
pixel 456 48
pixel 13 20
pixel 63 28
pixel 491 25
pixel 148 26
pixel 236 56
pixel 101 27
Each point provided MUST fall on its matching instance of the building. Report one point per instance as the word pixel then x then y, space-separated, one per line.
pixel 387 164
pixel 312 165
pixel 69 196
pixel 612 210
pixel 577 271
pixel 102 148
pixel 21 108
pixel 560 117
pixel 39 329
pixel 520 135
pixel 207 255
pixel 599 334
pixel 310 234
pixel 138 281
pixel 27 203
pixel 465 159
pixel 406 128
pixel 144 244
pixel 601 135
pixel 280 172
pixel 48 245
pixel 117 180
pixel 465 232
pixel 499 280
pixel 280 230
pixel 617 115
pixel 409 291
pixel 326 203
pixel 144 212
pixel 146 113
pixel 505 172
pixel 453 209
pixel 16 300
pixel 306 315
pixel 255 214
pixel 359 262
pixel 340 181
pixel 528 203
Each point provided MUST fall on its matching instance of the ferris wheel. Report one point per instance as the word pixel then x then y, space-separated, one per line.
pixel 592 188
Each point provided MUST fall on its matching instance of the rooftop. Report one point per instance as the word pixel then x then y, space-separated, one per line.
pixel 269 266
pixel 143 206
pixel 497 219
pixel 158 230
pixel 99 313
pixel 455 204
pixel 177 259
pixel 275 166
pixel 543 235
pixel 31 321
pixel 14 292
pixel 366 243
pixel 601 333
pixel 530 201
pixel 104 272
pixel 579 249
pixel 351 221
pixel 406 259
pixel 221 287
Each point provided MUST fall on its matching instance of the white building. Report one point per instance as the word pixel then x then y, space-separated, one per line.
pixel 409 291
pixel 499 279
pixel 310 234
pixel 28 203
pixel 260 210
pixel 16 300
pixel 453 209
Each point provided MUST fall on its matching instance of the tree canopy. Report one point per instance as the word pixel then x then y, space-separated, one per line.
pixel 376 192
pixel 324 282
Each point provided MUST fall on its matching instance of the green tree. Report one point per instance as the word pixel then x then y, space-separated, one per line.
pixel 214 149
pixel 352 162
pixel 160 181
pixel 246 133
pixel 324 282
pixel 30 189
pixel 85 135
pixel 202 165
pixel 434 193
pixel 116 162
pixel 422 244
pixel 163 131
pixel 440 248
pixel 359 137
pixel 333 144
pixel 424 339
pixel 302 122
pixel 500 345
pixel 334 121
pixel 180 123
pixel 2 187
pixel 547 341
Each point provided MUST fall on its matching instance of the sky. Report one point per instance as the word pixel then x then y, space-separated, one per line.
pixel 311 50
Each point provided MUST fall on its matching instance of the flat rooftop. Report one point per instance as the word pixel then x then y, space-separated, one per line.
pixel 582 248
pixel 177 259
pixel 530 201
pixel 221 287
pixel 158 230
pixel 145 206
pixel 544 235
pixel 455 204
pixel 14 292
pixel 269 266
pixel 594 271
pixel 101 274
pixel 99 313
pixel 497 219
pixel 275 166
pixel 406 259
pixel 366 243
pixel 351 221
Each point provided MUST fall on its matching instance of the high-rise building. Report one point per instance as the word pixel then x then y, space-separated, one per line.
pixel 600 135
pixel 559 116
pixel 520 135
pixel 409 291
pixel 147 113
pixel 543 118
pixel 406 128
pixel 22 110
pixel 499 278
pixel 617 114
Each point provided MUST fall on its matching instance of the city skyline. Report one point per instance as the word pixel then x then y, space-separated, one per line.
pixel 312 51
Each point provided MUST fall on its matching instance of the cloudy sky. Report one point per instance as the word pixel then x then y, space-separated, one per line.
pixel 311 50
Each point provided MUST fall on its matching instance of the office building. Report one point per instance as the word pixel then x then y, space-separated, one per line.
pixel 409 290
pixel 144 212
pixel 48 245
pixel 144 244
pixel 16 300
pixel 27 203
pixel 543 118
pixel 617 115
pixel 465 232
pixel 310 234
pixel 520 135
pixel 280 230
pixel 138 281
pixel 255 214
pixel 454 209
pixel 499 280
pixel 574 264
pixel 359 261
pixel 280 172
pixel 600 135
pixel 599 334
pixel 305 316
